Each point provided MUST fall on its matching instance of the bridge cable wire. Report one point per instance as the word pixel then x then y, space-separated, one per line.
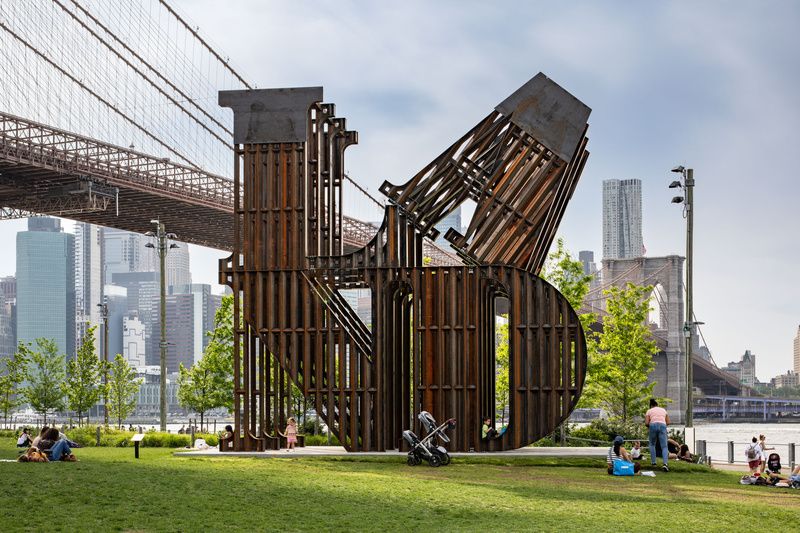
pixel 205 44
pixel 155 71
pixel 110 105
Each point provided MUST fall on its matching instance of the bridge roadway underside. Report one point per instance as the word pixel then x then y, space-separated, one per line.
pixel 713 381
pixel 46 170
pixel 30 187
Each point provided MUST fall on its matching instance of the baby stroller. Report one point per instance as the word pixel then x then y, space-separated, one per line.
pixel 774 463
pixel 428 448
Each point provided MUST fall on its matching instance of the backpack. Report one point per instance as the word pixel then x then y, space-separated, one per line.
pixel 622 468
pixel 750 452
pixel 774 463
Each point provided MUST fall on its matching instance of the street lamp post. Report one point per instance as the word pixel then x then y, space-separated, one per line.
pixel 689 324
pixel 162 248
pixel 104 314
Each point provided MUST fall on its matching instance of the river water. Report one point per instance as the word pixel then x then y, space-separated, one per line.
pixel 717 436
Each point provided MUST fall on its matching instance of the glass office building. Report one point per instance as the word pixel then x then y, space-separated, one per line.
pixel 46 284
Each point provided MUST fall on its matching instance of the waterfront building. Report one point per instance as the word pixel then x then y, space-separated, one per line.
pixel 789 379
pixel 744 369
pixel 46 284
pixel 622 219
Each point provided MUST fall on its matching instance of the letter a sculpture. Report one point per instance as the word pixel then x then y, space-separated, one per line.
pixel 430 343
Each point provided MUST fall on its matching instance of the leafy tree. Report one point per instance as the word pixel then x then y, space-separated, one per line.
pixel 501 393
pixel 13 375
pixel 46 373
pixel 196 388
pixel 566 274
pixel 208 384
pixel 83 387
pixel 219 354
pixel 626 353
pixel 122 389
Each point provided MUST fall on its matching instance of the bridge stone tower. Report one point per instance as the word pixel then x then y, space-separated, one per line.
pixel 665 274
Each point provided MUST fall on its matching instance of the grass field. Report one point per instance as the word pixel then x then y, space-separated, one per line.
pixel 108 490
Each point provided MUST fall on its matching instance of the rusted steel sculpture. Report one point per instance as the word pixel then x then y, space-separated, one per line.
pixel 431 345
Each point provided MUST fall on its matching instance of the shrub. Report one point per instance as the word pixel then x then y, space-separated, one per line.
pixel 545 442
pixel 87 436
pixel 612 428
pixel 321 440
pixel 589 436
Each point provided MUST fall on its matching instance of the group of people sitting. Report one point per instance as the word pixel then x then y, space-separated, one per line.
pixel 49 445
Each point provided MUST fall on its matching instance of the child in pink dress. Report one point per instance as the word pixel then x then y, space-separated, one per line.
pixel 290 434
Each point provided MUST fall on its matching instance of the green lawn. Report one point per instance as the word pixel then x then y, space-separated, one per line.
pixel 108 490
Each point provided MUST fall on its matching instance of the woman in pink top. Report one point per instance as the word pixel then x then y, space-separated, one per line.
pixel 656 419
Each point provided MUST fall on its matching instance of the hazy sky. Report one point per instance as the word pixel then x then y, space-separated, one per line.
pixel 711 85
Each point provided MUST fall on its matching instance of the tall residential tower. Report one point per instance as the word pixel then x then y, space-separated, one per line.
pixel 622 219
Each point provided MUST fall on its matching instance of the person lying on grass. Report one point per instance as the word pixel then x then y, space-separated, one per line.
pixel 59 447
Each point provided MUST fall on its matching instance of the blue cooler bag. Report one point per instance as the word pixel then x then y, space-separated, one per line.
pixel 623 468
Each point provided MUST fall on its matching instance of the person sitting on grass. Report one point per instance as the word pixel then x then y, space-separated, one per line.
pixel 684 454
pixel 487 431
pixel 618 453
pixel 59 449
pixel 24 440
pixel 37 439
pixel 636 451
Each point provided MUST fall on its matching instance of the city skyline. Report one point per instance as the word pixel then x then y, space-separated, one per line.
pixel 690 92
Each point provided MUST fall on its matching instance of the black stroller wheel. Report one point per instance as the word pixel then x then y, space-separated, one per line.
pixel 413 460
pixel 434 460
pixel 445 458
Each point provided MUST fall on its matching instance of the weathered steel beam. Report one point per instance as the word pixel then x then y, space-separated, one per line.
pixel 432 340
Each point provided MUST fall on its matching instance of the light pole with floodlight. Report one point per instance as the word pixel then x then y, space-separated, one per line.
pixel 104 313
pixel 162 248
pixel 689 324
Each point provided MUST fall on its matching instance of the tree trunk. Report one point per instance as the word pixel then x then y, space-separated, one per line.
pixel 201 421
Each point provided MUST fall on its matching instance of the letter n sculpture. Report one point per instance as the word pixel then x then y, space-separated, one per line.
pixel 431 341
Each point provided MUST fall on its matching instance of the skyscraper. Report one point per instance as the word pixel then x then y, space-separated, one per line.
pixel 586 257
pixel 190 316
pixel 797 352
pixel 622 219
pixel 177 265
pixel 123 251
pixel 453 220
pixel 46 284
pixel 88 279
pixel 8 315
